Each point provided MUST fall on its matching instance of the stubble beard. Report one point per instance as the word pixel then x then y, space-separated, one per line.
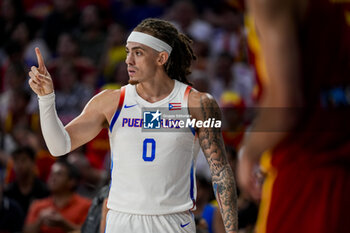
pixel 133 82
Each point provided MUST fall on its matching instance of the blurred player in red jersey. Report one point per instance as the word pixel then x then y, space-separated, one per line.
pixel 301 135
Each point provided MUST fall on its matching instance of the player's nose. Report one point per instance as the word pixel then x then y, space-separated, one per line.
pixel 130 59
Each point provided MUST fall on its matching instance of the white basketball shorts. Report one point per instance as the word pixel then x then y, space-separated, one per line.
pixel 118 222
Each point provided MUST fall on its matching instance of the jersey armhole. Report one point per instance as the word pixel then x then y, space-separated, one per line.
pixel 119 108
pixel 186 95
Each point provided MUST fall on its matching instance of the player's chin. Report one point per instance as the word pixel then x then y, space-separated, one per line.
pixel 133 81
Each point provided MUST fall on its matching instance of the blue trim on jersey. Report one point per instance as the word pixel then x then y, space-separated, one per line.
pixel 114 119
pixel 192 182
pixel 111 170
pixel 193 130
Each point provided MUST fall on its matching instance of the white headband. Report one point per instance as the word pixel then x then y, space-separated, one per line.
pixel 150 41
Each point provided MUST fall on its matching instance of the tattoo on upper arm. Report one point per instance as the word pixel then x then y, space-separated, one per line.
pixel 213 147
pixel 210 138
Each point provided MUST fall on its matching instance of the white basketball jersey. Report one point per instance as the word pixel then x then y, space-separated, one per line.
pixel 153 160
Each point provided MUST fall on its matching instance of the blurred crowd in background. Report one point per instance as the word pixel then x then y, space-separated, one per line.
pixel 83 45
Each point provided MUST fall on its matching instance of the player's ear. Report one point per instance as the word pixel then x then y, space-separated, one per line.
pixel 163 58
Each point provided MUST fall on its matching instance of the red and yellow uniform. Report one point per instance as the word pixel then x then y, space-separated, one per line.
pixel 307 188
pixel 255 57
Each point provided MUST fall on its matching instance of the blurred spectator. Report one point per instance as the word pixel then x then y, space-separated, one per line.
pixel 11 13
pixel 200 80
pixel 114 51
pixel 244 81
pixel 185 16
pixel 11 54
pixel 132 12
pixel 68 51
pixel 25 137
pixel 201 49
pixel 91 35
pixel 228 35
pixel 210 213
pixel 229 75
pixel 11 214
pixel 7 145
pixel 71 97
pixel 3 155
pixel 27 185
pixel 64 18
pixel 119 78
pixel 17 114
pixel 14 79
pixel 25 34
pixel 222 79
pixel 97 152
pixel 91 179
pixel 38 9
pixel 64 210
pixel 103 4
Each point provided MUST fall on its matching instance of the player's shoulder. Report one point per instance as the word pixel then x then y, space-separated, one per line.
pixel 201 104
pixel 200 99
pixel 107 95
pixel 105 102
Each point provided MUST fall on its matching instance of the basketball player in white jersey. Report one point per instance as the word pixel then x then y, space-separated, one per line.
pixel 153 187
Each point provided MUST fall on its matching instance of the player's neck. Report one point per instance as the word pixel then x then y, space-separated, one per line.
pixel 155 89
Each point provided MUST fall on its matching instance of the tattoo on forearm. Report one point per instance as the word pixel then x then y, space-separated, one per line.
pixel 225 192
pixel 222 177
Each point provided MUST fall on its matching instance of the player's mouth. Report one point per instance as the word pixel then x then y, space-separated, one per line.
pixel 131 72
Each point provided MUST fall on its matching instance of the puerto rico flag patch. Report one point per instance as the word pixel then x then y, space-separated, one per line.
pixel 174 106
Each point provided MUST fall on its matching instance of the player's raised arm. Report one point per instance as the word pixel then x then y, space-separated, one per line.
pixel 204 107
pixel 56 137
pixel 87 125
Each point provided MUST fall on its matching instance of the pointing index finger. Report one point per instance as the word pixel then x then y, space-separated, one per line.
pixel 39 58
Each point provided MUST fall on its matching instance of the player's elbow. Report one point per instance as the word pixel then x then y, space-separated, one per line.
pixel 56 152
pixel 60 146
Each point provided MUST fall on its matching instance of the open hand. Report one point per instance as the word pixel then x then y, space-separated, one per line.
pixel 249 176
pixel 40 80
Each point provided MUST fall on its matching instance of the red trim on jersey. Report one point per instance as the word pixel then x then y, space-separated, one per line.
pixel 187 92
pixel 119 108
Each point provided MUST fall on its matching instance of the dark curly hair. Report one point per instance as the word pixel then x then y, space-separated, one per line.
pixel 179 63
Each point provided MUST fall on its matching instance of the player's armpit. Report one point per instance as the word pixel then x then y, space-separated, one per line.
pixel 203 107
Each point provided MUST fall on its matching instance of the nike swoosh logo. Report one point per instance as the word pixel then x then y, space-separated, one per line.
pixel 183 225
pixel 129 106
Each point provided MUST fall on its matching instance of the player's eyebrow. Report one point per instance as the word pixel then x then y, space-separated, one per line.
pixel 134 48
